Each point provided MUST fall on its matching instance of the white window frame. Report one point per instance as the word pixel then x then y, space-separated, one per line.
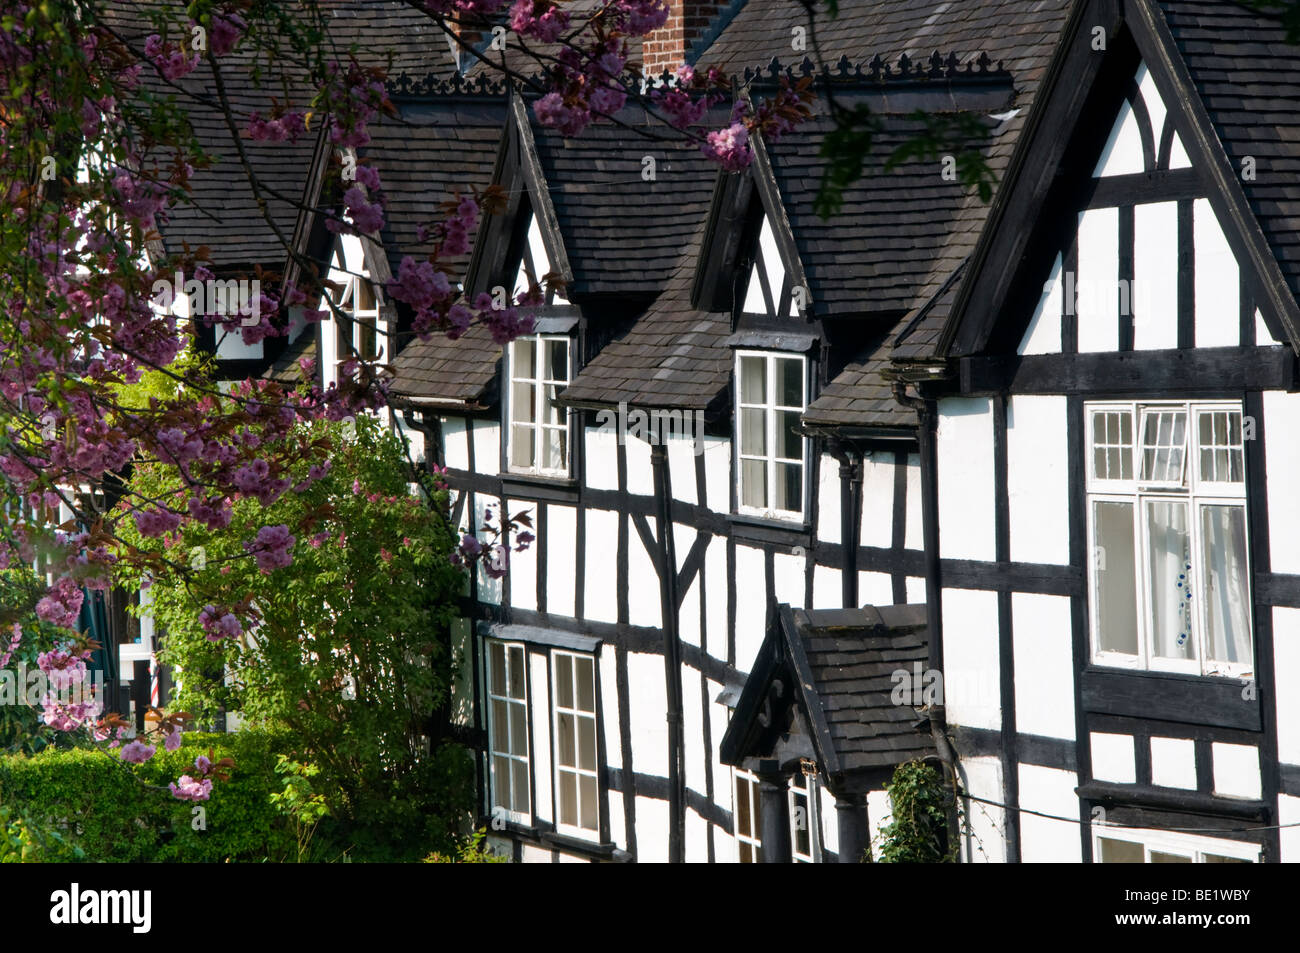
pixel 811 793
pixel 1194 493
pixel 536 428
pixel 497 809
pixel 351 329
pixel 770 407
pixel 754 837
pixel 1192 846
pixel 586 833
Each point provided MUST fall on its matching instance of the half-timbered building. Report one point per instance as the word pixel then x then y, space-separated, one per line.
pixel 1106 400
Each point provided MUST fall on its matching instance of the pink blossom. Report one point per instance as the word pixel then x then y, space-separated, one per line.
pixel 187 788
pixel 136 752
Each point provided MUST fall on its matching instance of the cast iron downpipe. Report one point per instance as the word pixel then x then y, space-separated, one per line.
pixel 850 517
pixel 927 420
pixel 672 653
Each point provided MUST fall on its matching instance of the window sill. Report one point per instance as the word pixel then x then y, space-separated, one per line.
pixel 1215 805
pixel 578 845
pixel 533 486
pixel 764 530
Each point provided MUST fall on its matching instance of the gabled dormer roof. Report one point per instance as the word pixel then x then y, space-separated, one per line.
pixel 823 686
pixel 1229 82
pixel 501 238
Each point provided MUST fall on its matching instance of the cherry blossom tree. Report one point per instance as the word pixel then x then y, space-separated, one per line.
pixel 96 156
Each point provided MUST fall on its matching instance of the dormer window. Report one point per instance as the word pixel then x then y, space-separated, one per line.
pixel 538 369
pixel 768 291
pixel 771 393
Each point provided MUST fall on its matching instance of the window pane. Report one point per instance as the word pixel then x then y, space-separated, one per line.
pixel 743 824
pixel 552 412
pixel 1217 859
pixel 753 483
pixel 753 380
pixel 523 802
pixel 525 361
pixel 584 673
pixel 523 402
pixel 1112 441
pixel 501 783
pixel 788 443
pixel 556 448
pixel 1116 597
pixel 564 681
pixel 365 295
pixel 753 431
pixel 590 820
pixel 568 798
pixel 790 378
pixel 565 755
pixel 587 744
pixel 1120 852
pixel 497 651
pixel 1222 458
pixel 367 346
pixel 500 726
pixel 1158 857
pixel 789 487
pixel 1170 579
pixel 1227 585
pixel 1163 442
pixel 557 363
pixel 516 672
pixel 521 446
pixel 746 854
pixel 518 730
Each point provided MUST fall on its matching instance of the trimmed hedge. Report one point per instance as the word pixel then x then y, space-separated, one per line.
pixel 100 808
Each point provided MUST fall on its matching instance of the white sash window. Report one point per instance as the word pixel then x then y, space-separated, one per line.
pixel 577 786
pixel 771 393
pixel 508 731
pixel 539 427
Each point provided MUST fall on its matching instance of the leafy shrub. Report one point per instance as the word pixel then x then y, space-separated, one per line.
pixel 917 832
pixel 94 803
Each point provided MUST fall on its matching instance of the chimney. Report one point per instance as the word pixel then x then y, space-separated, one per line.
pixel 666 47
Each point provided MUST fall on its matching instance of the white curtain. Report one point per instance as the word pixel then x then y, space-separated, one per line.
pixel 1171 561
pixel 1223 529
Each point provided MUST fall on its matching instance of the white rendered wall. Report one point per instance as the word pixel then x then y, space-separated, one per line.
pixel 1038 479
pixel 971 676
pixel 1048 791
pixel 965 458
pixel 1042 644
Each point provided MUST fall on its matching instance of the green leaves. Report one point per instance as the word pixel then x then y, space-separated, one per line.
pixel 345 651
pixel 918 830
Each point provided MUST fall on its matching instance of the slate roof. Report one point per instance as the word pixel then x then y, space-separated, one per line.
pixel 674 356
pixel 624 234
pixel 223 213
pixel 852 655
pixel 435 148
pixel 286 368
pixel 1249 80
pixel 874 255
pixel 842 663
pixel 442 371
